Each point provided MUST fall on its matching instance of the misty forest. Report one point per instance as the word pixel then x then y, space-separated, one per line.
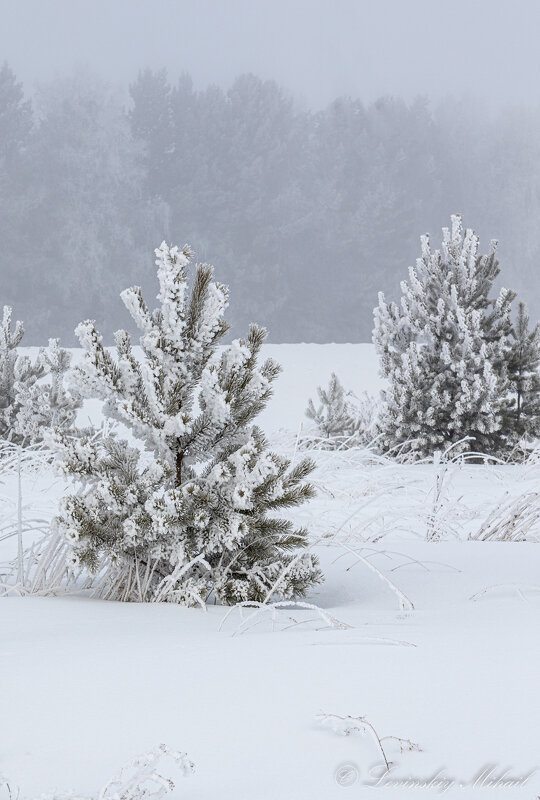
pixel 269 399
pixel 309 214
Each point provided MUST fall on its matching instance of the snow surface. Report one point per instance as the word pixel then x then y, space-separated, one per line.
pixel 85 685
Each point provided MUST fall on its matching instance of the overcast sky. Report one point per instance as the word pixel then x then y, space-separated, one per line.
pixel 316 48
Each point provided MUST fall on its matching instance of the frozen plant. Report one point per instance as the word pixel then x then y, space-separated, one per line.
pixel 33 395
pixel 333 416
pixel 28 572
pixel 345 725
pixel 142 778
pixel 514 520
pixel 365 410
pixel 193 517
pixel 47 405
pixel 341 419
pixel 519 588
pixel 443 351
pixel 523 361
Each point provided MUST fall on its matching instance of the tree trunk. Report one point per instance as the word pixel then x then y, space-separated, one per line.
pixel 179 457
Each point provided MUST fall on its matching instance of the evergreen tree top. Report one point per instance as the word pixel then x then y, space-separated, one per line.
pixel 181 397
pixel 457 273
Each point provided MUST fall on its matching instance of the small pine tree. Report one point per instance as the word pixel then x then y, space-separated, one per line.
pixel 45 406
pixel 193 516
pixel 523 361
pixel 333 416
pixel 341 418
pixel 30 406
pixel 443 349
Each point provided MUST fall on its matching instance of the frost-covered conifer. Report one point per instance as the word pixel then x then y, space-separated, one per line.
pixel 443 350
pixel 33 397
pixel 187 511
pixel 333 416
pixel 341 418
pixel 523 360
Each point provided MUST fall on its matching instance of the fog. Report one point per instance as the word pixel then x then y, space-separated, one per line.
pixel 302 147
pixel 317 49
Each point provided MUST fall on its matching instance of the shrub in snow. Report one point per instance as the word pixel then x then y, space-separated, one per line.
pixel 443 351
pixel 523 361
pixel 365 410
pixel 341 418
pixel 30 406
pixel 193 517
pixel 142 778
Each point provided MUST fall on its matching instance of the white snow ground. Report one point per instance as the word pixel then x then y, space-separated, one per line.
pixel 85 685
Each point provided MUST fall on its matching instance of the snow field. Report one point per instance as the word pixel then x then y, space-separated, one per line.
pixel 85 685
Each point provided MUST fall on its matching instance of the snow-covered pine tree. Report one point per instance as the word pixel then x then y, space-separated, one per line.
pixel 523 361
pixel 443 349
pixel 193 517
pixel 46 405
pixel 333 416
pixel 29 406
pixel 341 418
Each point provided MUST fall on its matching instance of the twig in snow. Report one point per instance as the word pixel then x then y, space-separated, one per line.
pixel 347 725
pixel 281 605
pixel 517 587
pixel 404 603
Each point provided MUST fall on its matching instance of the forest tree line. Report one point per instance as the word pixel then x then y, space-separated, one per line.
pixel 307 214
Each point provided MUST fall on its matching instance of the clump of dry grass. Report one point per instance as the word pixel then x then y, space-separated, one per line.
pixel 141 779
